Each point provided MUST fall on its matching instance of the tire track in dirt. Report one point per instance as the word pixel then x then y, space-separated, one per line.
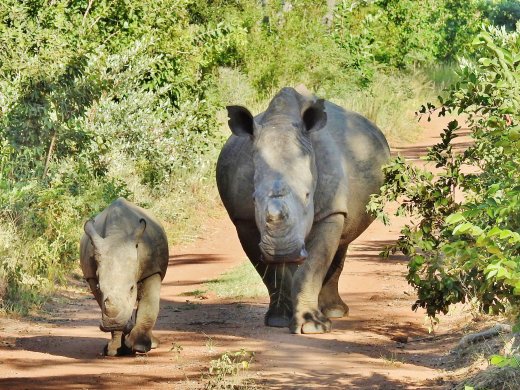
pixel 381 345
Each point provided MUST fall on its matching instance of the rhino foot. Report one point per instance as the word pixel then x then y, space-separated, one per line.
pixel 330 303
pixel 142 347
pixel 155 342
pixel 139 342
pixel 335 311
pixel 278 316
pixel 117 347
pixel 310 323
pixel 277 320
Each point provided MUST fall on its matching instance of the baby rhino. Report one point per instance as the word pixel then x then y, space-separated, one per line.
pixel 124 256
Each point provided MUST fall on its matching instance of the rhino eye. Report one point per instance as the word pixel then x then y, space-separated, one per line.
pixel 307 197
pixel 132 289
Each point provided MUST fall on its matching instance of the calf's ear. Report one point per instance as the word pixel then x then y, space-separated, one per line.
pixel 241 121
pixel 314 116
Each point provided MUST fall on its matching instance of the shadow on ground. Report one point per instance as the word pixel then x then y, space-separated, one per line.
pixel 101 381
pixel 340 381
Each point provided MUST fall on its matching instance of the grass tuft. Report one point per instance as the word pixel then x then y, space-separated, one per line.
pixel 391 102
pixel 240 282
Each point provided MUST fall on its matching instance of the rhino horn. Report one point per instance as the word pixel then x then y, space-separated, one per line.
pixel 91 232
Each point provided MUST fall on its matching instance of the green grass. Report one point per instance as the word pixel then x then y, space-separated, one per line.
pixel 391 102
pixel 442 75
pixel 230 371
pixel 240 282
pixel 194 293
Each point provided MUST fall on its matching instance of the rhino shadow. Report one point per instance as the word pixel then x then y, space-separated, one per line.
pixel 81 348
pixel 87 381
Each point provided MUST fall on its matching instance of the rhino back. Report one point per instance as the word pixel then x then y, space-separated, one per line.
pixel 350 152
pixel 120 219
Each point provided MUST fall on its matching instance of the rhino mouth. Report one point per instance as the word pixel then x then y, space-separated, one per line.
pixel 297 256
pixel 126 328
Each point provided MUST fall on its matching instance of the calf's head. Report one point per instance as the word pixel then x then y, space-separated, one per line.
pixel 117 273
pixel 285 173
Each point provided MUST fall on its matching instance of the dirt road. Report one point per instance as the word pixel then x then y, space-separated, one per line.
pixel 381 345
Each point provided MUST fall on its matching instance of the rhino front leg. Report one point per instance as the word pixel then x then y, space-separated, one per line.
pixel 322 244
pixel 331 304
pixel 116 345
pixel 141 339
pixel 277 278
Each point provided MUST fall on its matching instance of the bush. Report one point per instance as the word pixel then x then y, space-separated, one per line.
pixel 467 247
pixel 86 89
pixel 504 13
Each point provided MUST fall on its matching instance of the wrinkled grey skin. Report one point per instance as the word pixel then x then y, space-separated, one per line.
pixel 124 257
pixel 295 181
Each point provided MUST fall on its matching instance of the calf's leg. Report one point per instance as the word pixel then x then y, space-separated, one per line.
pixel 141 339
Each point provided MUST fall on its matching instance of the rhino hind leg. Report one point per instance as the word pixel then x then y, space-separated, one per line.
pixel 277 278
pixel 330 303
pixel 141 339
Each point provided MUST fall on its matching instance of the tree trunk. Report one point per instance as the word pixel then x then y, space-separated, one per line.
pixel 49 153
pixel 329 16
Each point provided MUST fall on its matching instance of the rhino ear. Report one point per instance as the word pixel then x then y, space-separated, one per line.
pixel 138 233
pixel 91 232
pixel 314 116
pixel 241 121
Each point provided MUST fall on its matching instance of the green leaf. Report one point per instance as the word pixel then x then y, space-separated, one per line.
pixel 461 229
pixel 505 234
pixel 494 231
pixel 496 360
pixel 455 218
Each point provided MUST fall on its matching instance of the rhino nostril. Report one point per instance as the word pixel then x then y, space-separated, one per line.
pixel 276 211
pixel 109 308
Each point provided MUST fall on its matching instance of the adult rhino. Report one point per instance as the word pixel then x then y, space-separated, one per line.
pixel 295 181
pixel 124 257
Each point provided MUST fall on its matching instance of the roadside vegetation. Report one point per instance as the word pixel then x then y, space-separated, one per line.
pixel 464 242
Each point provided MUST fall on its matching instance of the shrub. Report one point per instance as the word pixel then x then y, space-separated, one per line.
pixel 504 13
pixel 87 86
pixel 467 247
